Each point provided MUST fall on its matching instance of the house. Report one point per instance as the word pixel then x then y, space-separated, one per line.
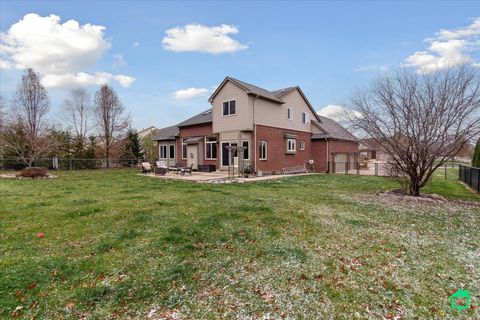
pixel 145 132
pixel 269 130
pixel 370 149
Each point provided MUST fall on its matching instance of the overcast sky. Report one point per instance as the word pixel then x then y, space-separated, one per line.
pixel 165 58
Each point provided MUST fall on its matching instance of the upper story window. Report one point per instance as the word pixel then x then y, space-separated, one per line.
pixel 290 113
pixel 305 118
pixel 229 108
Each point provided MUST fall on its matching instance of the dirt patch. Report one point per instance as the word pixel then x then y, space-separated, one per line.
pixel 397 198
pixel 13 176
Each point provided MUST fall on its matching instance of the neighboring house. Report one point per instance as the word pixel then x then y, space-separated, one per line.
pixel 370 149
pixel 277 129
pixel 145 132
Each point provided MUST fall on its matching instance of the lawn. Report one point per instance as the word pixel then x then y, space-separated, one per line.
pixel 120 245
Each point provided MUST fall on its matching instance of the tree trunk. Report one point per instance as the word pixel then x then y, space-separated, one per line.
pixel 414 189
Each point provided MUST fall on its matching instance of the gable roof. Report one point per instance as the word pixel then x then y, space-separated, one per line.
pixel 202 117
pixel 167 133
pixel 274 96
pixel 333 130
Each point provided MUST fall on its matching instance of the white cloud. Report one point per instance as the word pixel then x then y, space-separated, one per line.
pixel 82 78
pixel 447 48
pixel 337 113
pixel 119 61
pixel 375 67
pixel 64 53
pixel 196 37
pixel 189 93
pixel 4 64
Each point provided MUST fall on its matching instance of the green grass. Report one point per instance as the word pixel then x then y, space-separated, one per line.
pixel 119 245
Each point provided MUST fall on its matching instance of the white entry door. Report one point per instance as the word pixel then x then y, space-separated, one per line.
pixel 192 155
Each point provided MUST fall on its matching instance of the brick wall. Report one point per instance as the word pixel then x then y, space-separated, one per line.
pixel 276 155
pixel 204 129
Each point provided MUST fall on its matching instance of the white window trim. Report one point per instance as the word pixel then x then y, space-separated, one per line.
pixel 160 151
pixel 183 143
pixel 230 114
pixel 210 142
pixel 302 142
pixel 248 153
pixel 266 151
pixel 290 111
pixel 294 144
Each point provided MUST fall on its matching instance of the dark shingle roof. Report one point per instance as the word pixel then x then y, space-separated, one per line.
pixel 252 89
pixel 333 130
pixel 202 117
pixel 168 133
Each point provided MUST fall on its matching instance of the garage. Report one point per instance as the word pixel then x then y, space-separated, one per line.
pixel 340 163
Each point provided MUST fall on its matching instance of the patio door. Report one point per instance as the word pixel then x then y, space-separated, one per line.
pixel 225 160
pixel 192 155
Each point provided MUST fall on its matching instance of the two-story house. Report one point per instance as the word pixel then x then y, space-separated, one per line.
pixel 277 129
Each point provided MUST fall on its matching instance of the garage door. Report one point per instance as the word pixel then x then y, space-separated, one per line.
pixel 340 160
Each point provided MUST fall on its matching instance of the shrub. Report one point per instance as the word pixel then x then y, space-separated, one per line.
pixel 476 155
pixel 33 172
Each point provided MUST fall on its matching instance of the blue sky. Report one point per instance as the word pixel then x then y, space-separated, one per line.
pixel 330 49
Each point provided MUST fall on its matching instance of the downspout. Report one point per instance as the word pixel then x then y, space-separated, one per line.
pixel 328 160
pixel 254 135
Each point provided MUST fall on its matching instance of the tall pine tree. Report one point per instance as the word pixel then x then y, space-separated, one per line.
pixel 476 155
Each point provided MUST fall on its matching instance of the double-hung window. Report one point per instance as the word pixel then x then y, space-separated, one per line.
pixel 291 148
pixel 229 108
pixel 302 145
pixel 262 150
pixel 163 151
pixel 305 118
pixel 290 113
pixel 210 148
pixel 171 153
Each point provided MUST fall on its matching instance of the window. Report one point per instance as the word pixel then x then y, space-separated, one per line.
pixel 290 114
pixel 246 151
pixel 305 118
pixel 163 151
pixel 262 150
pixel 210 148
pixel 291 145
pixel 172 151
pixel 184 149
pixel 229 108
pixel 302 145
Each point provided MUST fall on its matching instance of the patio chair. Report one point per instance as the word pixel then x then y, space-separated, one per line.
pixel 177 167
pixel 146 167
pixel 187 169
pixel 160 168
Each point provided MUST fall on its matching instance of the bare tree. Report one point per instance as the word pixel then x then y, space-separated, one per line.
pixel 77 109
pixel 420 120
pixel 27 132
pixel 109 116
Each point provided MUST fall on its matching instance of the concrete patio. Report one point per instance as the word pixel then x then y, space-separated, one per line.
pixel 219 176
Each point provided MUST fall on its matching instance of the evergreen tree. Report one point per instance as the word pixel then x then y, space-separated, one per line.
pixel 476 155
pixel 132 149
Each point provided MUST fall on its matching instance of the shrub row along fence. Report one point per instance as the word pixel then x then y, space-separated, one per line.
pixel 470 176
pixel 68 163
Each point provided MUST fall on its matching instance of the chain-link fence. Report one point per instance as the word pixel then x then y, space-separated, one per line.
pixel 68 163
